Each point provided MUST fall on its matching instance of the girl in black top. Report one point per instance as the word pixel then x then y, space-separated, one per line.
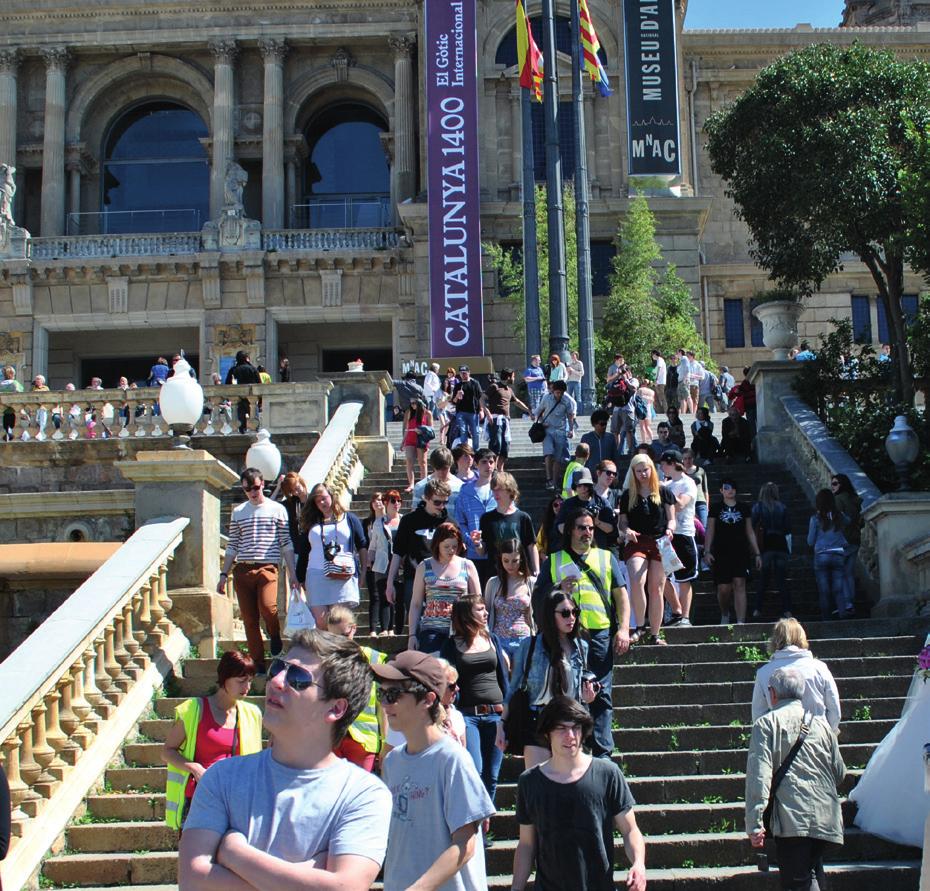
pixel 647 513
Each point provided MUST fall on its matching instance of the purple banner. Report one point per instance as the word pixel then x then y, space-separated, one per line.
pixel 456 315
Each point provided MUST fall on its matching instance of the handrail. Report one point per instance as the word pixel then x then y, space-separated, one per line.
pixel 72 690
pixel 334 459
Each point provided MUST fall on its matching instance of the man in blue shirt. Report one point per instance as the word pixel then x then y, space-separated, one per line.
pixel 475 499
pixel 535 383
pixel 603 445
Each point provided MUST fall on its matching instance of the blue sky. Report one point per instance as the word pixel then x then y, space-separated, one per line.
pixel 762 14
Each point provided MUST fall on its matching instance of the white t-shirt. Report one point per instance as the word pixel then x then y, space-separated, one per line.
pixel 431 385
pixel 661 372
pixel 684 516
pixel 295 815
pixel 684 370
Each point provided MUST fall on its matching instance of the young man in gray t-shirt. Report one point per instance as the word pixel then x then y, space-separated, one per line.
pixel 287 815
pixel 439 799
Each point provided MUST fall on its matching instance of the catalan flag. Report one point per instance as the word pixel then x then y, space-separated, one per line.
pixel 529 57
pixel 589 49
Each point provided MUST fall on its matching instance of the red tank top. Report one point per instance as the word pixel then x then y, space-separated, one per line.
pixel 214 743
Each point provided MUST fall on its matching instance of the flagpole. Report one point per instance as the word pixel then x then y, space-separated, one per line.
pixel 582 223
pixel 558 297
pixel 533 338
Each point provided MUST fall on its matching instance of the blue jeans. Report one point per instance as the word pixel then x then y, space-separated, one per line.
pixel 511 645
pixel 700 511
pixel 467 422
pixel 431 641
pixel 480 735
pixel 601 663
pixel 774 563
pixel 828 568
pixel 574 390
pixel 849 576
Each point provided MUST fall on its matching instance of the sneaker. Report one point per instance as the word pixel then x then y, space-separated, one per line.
pixel 550 487
pixel 724 618
pixel 685 622
pixel 674 619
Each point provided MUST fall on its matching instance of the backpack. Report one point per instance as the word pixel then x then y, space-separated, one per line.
pixel 619 393
pixel 640 408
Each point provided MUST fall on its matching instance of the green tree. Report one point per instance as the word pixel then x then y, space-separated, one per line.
pixel 812 154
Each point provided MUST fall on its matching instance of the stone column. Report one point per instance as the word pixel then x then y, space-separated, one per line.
pixel 224 54
pixel 404 117
pixel 53 145
pixel 9 62
pixel 74 165
pixel 273 52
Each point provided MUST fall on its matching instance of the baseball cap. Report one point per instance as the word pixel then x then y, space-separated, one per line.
pixel 411 665
pixel 464 368
pixel 583 478
pixel 671 456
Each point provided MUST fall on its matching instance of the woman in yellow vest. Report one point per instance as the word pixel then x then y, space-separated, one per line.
pixel 206 730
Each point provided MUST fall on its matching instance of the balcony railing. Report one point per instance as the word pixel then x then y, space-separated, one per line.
pixel 161 244
pixel 342 212
pixel 329 240
pixel 124 222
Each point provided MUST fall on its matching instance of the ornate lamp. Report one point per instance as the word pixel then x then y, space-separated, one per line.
pixel 902 446
pixel 264 456
pixel 181 403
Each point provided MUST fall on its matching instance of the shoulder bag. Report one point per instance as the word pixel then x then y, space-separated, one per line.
pixel 781 772
pixel 537 431
pixel 519 721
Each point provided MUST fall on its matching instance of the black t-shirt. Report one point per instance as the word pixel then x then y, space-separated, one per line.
pixel 730 527
pixel 243 374
pixel 471 396
pixel 574 825
pixel 497 527
pixel 647 517
pixel 414 536
pixel 604 512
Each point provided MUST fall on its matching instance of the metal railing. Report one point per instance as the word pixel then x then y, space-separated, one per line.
pixel 73 689
pixel 122 222
pixel 343 212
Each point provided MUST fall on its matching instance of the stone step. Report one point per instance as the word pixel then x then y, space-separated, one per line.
pixel 123 836
pixel 128 805
pixel 136 779
pixel 126 868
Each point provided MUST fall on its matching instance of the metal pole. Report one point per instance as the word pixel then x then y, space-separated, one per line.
pixel 530 258
pixel 582 226
pixel 558 296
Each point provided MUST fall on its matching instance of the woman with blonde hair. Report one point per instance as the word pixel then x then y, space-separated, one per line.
pixel 294 492
pixel 647 513
pixel 790 649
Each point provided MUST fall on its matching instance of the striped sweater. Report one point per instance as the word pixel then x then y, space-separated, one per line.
pixel 259 533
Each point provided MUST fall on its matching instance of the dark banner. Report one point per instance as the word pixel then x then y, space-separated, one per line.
pixel 652 87
pixel 456 315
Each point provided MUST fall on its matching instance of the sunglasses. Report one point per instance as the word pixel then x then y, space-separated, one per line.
pixel 393 500
pixel 439 503
pixel 295 677
pixel 390 695
pixel 256 488
pixel 567 613
pixel 584 528
pixel 609 472
pixel 452 685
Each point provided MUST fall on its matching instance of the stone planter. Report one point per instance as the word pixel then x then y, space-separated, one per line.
pixel 779 320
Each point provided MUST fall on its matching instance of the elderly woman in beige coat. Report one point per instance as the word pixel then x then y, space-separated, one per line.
pixel 806 816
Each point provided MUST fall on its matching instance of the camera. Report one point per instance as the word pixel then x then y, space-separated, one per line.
pixel 591 678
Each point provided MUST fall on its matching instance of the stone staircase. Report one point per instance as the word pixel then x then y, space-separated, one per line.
pixel 681 726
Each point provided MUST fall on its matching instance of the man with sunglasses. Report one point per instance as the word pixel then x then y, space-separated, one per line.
pixel 258 538
pixel 295 814
pixel 598 583
pixel 587 496
pixel 440 463
pixel 439 799
pixel 412 545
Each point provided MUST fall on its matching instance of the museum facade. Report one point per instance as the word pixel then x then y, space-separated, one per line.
pixel 236 175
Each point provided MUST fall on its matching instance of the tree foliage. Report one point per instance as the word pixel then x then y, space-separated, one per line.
pixel 813 154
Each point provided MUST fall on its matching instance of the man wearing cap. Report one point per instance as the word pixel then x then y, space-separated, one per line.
pixel 466 398
pixel 439 799
pixel 685 491
pixel 605 523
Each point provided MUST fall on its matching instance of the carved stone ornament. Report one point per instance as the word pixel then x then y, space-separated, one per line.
pixel 10 343
pixel 402 44
pixel 272 49
pixel 232 230
pixel 13 238
pixel 237 336
pixel 55 57
pixel 9 60
pixel 224 51
pixel 342 60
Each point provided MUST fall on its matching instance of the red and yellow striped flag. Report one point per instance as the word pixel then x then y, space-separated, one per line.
pixel 589 49
pixel 529 58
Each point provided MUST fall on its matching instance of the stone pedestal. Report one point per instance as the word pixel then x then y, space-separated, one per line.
pixel 301 409
pixel 772 380
pixel 368 387
pixel 188 483
pixel 900 522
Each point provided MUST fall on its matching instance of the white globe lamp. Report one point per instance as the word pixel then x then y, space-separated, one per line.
pixel 181 402
pixel 264 456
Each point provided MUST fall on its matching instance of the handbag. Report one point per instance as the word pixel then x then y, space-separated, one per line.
pixel 670 561
pixel 780 774
pixel 519 720
pixel 337 565
pixel 299 616
pixel 537 431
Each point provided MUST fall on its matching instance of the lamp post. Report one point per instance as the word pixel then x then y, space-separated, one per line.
pixel 181 403
pixel 264 456
pixel 902 447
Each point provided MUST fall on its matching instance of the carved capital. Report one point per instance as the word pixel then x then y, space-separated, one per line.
pixel 272 49
pixel 341 62
pixel 56 57
pixel 9 60
pixel 402 44
pixel 224 50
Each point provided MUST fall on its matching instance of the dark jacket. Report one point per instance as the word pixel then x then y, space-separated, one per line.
pixel 244 373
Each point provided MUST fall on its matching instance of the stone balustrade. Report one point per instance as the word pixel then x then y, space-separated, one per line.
pixel 329 239
pixel 58 415
pixel 71 692
pixel 334 459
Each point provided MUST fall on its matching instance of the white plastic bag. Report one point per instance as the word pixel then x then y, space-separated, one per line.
pixel 670 561
pixel 299 617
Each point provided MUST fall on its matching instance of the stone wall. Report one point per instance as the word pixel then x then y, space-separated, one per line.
pixel 25 605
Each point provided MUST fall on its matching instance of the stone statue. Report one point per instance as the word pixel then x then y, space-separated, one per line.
pixel 232 230
pixel 13 238
pixel 7 191
pixel 233 187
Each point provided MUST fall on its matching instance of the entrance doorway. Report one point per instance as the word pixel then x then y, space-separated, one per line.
pixel 374 359
pixel 110 368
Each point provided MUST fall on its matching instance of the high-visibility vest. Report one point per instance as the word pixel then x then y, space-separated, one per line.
pixel 249 734
pixel 593 616
pixel 365 729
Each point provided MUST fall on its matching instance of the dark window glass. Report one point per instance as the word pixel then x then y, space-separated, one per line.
pixel 156 175
pixel 566 141
pixel 507 48
pixel 861 319
pixel 733 329
pixel 755 327
pixel 348 181
pixel 602 255
pixel 908 305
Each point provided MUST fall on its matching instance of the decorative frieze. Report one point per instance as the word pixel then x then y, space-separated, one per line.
pixel 118 293
pixel 341 61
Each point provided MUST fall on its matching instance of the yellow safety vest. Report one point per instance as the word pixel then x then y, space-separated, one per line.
pixel 593 615
pixel 365 729
pixel 249 727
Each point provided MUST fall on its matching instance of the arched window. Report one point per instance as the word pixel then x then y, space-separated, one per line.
pixel 156 175
pixel 507 48
pixel 348 182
